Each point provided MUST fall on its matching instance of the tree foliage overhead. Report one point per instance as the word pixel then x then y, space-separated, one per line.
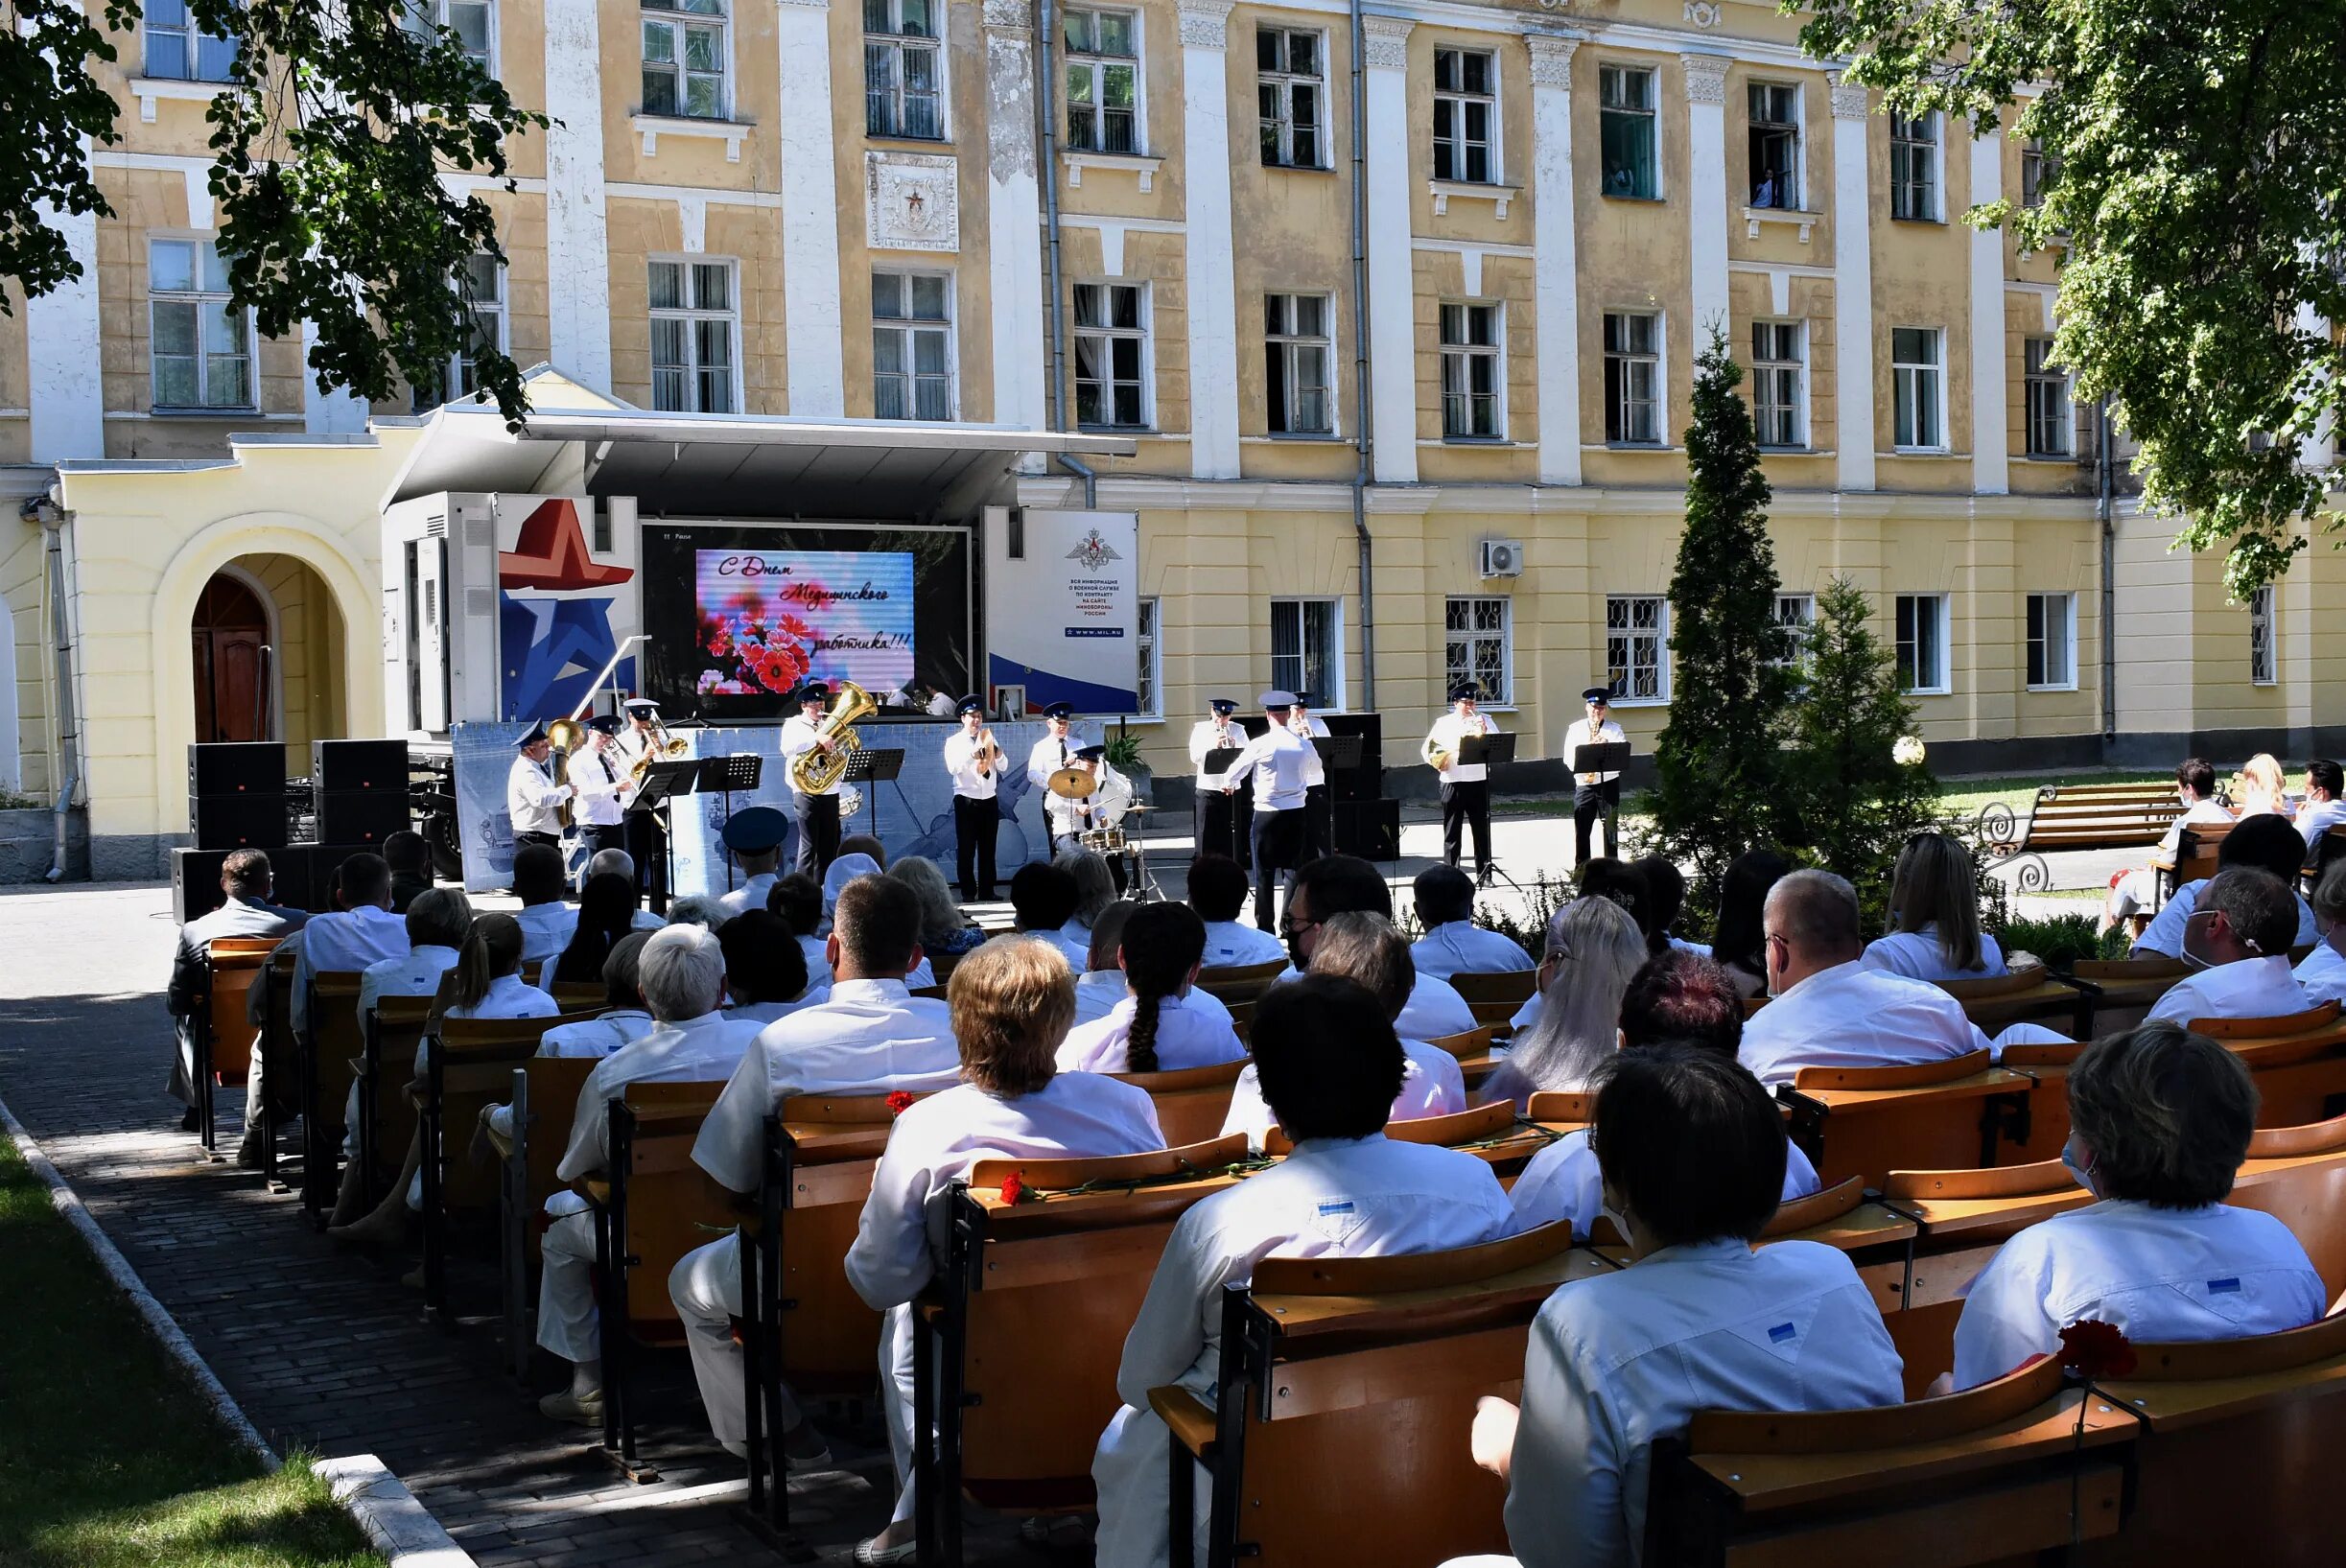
pixel 2201 150
pixel 349 143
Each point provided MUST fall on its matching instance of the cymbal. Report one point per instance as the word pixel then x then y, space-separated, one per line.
pixel 1072 783
pixel 1130 810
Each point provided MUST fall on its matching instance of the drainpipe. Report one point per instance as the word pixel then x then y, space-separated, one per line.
pixel 1046 130
pixel 1366 439
pixel 2105 483
pixel 52 518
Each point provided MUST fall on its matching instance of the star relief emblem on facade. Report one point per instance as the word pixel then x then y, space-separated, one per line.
pixel 1094 552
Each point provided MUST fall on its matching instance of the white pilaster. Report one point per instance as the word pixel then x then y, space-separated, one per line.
pixel 1991 447
pixel 1392 326
pixel 1555 288
pixel 68 390
pixel 811 322
pixel 337 412
pixel 577 219
pixel 1706 194
pixel 1853 431
pixel 2318 450
pixel 1014 209
pixel 1207 251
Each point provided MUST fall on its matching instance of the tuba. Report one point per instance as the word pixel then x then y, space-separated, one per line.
pixel 813 772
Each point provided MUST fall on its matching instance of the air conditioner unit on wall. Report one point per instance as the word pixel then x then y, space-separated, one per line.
pixel 1502 557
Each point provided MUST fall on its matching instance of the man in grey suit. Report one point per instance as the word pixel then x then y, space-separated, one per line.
pixel 244 877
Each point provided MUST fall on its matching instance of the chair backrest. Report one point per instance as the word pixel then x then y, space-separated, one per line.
pixel 475 1069
pixel 671 1206
pixel 1235 983
pixel 1817 1208
pixel 334 1040
pixel 1988 988
pixel 2307 1194
pixel 238 962
pixel 1242 1020
pixel 1482 1121
pixel 2284 1026
pixel 1562 1104
pixel 1057 1176
pixel 1993 1182
pixel 934 992
pixel 2314 1137
pixel 1466 1045
pixel 555 1083
pixel 829 1336
pixel 1901 1075
pixel 1191 1103
pixel 1496 998
pixel 578 995
pixel 277 1024
pixel 1862 1121
pixel 2196 851
pixel 1396 1272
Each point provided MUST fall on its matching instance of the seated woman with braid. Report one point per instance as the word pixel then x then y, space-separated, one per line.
pixel 1161 1025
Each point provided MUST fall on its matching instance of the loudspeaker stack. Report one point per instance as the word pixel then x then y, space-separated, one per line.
pixel 236 795
pixel 361 790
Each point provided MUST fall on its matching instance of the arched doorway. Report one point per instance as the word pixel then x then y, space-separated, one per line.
pixel 230 632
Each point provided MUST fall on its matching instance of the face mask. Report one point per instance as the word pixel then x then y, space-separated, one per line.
pixel 1620 1221
pixel 2083 1174
pixel 2195 951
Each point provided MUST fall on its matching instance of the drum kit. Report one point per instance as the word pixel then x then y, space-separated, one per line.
pixel 1076 783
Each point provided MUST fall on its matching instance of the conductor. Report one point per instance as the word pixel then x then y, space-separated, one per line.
pixel 1273 761
pixel 1594 795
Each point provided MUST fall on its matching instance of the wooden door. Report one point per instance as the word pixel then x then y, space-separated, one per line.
pixel 230 644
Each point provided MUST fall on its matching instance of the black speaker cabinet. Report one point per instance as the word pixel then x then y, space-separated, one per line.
pixel 362 818
pixel 238 821
pixel 1370 829
pixel 346 766
pixel 236 768
pixel 195 883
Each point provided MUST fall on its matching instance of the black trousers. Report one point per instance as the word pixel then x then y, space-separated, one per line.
pixel 1462 804
pixel 1590 802
pixel 550 840
pixel 1214 818
pixel 818 832
pixel 644 838
pixel 1318 824
pixel 613 836
pixel 1277 845
pixel 976 825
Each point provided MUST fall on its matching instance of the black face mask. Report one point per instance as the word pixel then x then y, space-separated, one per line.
pixel 1293 944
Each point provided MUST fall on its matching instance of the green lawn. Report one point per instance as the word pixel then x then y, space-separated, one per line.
pixel 108 1459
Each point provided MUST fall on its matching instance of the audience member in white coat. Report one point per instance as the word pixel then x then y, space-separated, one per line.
pixel 1095 889
pixel 2240 936
pixel 870 1036
pixel 1935 916
pixel 1100 988
pixel 1677 998
pixel 1830 1009
pixel 1043 899
pixel 1156 1028
pixel 1666 897
pixel 540 880
pixel 1593 946
pixel 766 974
pixel 2139 888
pixel 1453 944
pixel 1367 950
pixel 2159 1123
pixel 1330 1065
pixel 1217 892
pixel 362 932
pixel 1692 1150
pixel 2323 971
pixel 622 1018
pixel 682 974
pixel 437 924
pixel 1338 884
pixel 2264 841
pixel 2322 809
pixel 1010 1002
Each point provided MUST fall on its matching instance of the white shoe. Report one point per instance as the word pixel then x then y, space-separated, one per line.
pixel 871 1554
pixel 566 1406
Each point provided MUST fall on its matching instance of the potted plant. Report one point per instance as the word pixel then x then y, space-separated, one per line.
pixel 1122 751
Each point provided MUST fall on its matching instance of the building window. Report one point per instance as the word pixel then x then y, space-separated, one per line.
pixel 1471 373
pixel 1627 133
pixel 684 57
pixel 1466 116
pixel 1103 81
pixel 474 22
pixel 912 346
pixel 202 343
pixel 1291 92
pixel 1923 642
pixel 694 324
pixel 481 286
pixel 1796 614
pixel 2037 173
pixel 1307 649
pixel 178 48
pixel 1149 679
pixel 1779 355
pixel 1477 646
pixel 2048 413
pixel 2052 642
pixel 903 71
pixel 1636 634
pixel 1913 166
pixel 1632 379
pixel 1915 374
pixel 1296 356
pixel 1776 145
pixel 1110 355
pixel 2264 660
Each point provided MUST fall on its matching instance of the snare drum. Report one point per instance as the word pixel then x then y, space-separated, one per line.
pixel 1106 840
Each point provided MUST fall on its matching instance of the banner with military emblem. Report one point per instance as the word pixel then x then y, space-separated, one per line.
pixel 1062 607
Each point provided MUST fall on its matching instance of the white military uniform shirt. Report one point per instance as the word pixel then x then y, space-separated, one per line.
pixel 1916 955
pixel 599 1036
pixel 532 798
pixel 1853 1016
pixel 1097 992
pixel 1622 1359
pixel 509 996
pixel 1432 1084
pixel 1050 754
pixel 1562 1182
pixel 2161 1274
pixel 1208 737
pixel 2165 936
pixel 870 1038
pixel 1187 1035
pixel 1277 760
pixel 1333 1198
pixel 1449 731
pixel 2314 819
pixel 961 761
pixel 817 952
pixel 547 929
pixel 1459 946
pixel 700 1050
pixel 2322 975
pixel 1433 1011
pixel 2253 988
pixel 750 894
pixel 1230 944
pixel 597 778
pixel 347 942
pixel 1577 734
pixel 414 973
pixel 799 734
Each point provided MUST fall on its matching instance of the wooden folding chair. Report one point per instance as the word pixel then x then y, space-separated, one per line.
pixel 2307 1192
pixel 2029 995
pixel 326 1055
pixel 393 1033
pixel 1496 998
pixel 1236 982
pixel 1489 1126
pixel 1191 1102
pixel 542 1093
pixel 1562 1108
pixel 1861 1121
pixel 2298 1061
pixel 2199 856
pixel 2048 1067
pixel 232 966
pixel 2127 988
pixel 277 1046
pixel 579 996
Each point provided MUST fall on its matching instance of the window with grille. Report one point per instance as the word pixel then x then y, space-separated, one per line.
pixel 1150 677
pixel 684 57
pixel 1629 133
pixel 694 328
pixel 1477 646
pixel 2052 642
pixel 1779 363
pixel 1632 378
pixel 1636 639
pixel 1297 353
pixel 2050 421
pixel 903 70
pixel 912 346
pixel 1774 109
pixel 175 48
pixel 1471 373
pixel 2263 659
pixel 1291 95
pixel 2037 173
pixel 1922 642
pixel 481 292
pixel 474 22
pixel 200 342
pixel 1307 650
pixel 1796 614
pixel 1466 116
pixel 1103 56
pixel 1110 355
pixel 1913 166
pixel 1918 393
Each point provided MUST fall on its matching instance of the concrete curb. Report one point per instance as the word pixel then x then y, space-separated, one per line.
pixel 394 1522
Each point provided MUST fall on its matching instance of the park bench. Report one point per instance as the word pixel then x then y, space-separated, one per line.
pixel 2091 816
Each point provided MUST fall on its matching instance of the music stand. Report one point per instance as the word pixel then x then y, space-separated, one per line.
pixel 670 776
pixel 723 776
pixel 1488 750
pixel 875 765
pixel 1604 757
pixel 1338 753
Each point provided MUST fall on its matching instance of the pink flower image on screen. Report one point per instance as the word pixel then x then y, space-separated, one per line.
pixel 771 620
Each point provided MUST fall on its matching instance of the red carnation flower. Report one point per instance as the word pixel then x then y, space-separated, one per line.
pixel 720 642
pixel 899 1103
pixel 2092 1349
pixel 1014 1187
